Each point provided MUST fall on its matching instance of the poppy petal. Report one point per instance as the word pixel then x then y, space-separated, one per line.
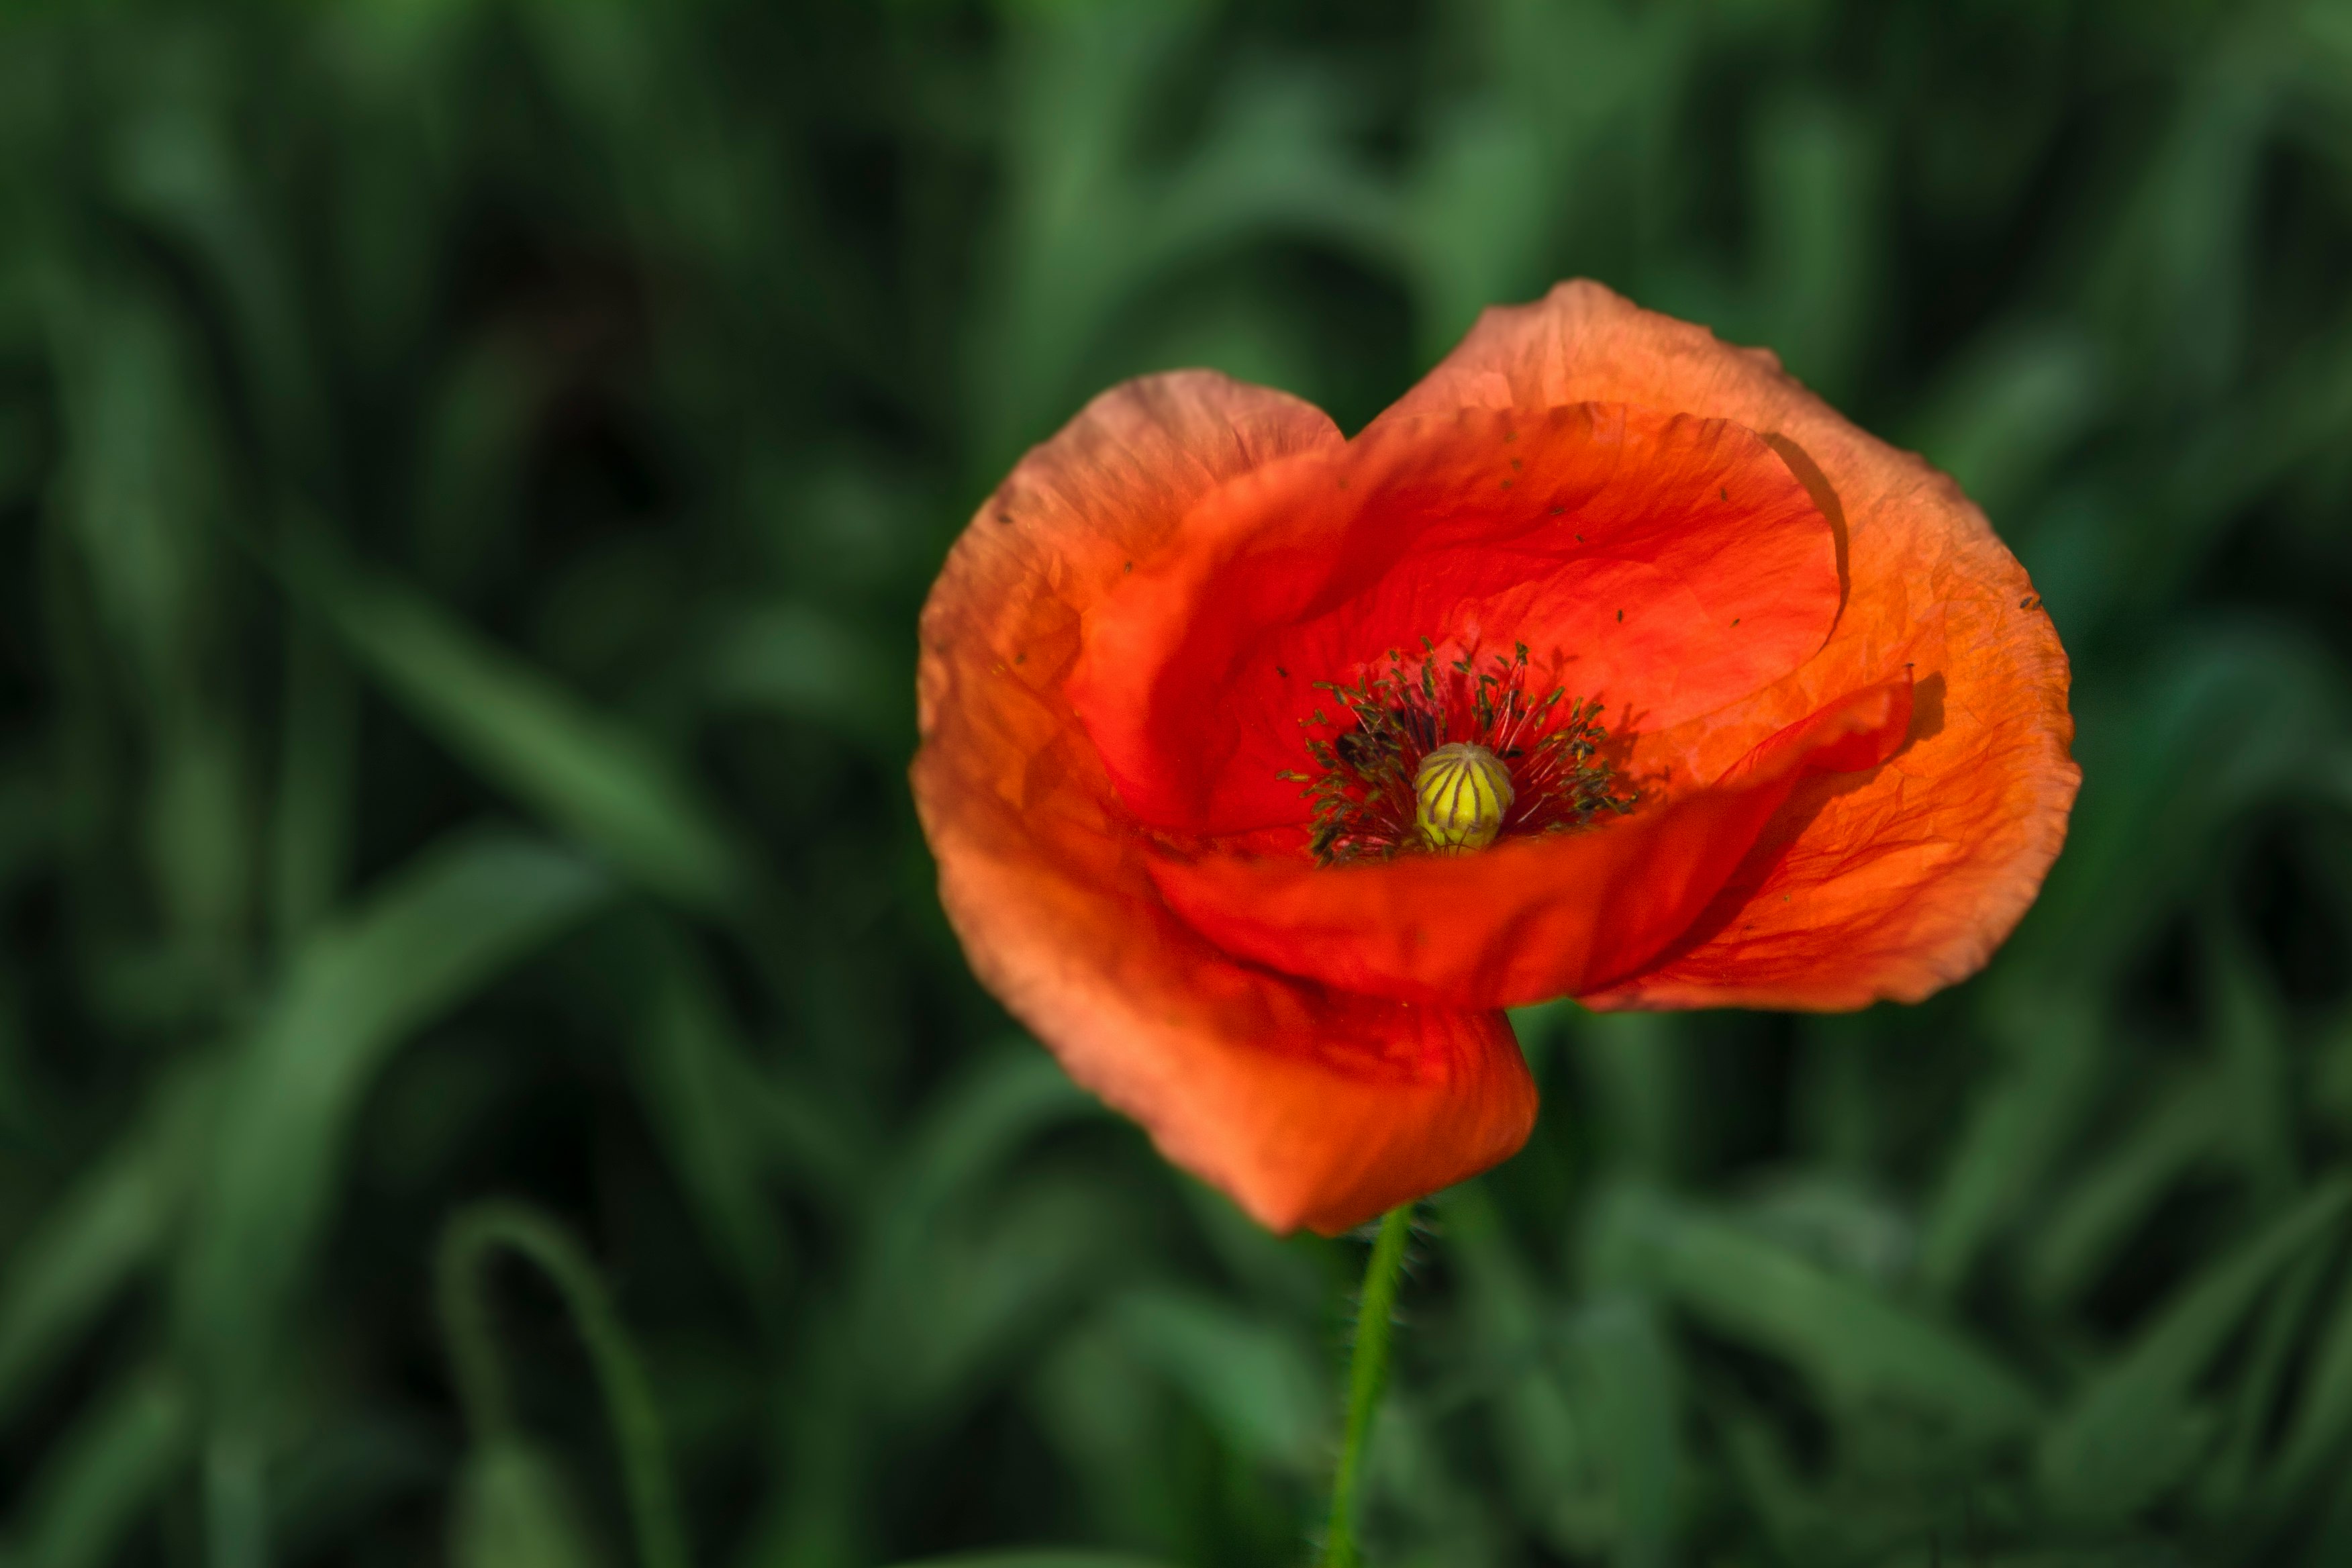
pixel 1660 565
pixel 1531 919
pixel 1308 1105
pixel 1906 884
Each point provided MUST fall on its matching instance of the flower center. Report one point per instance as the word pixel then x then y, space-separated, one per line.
pixel 1461 793
pixel 1446 758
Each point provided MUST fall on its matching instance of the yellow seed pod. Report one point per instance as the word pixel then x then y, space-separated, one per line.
pixel 1462 794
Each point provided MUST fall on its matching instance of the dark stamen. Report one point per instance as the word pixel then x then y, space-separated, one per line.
pixel 1363 788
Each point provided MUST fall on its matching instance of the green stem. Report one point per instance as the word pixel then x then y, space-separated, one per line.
pixel 1367 1374
pixel 466 1245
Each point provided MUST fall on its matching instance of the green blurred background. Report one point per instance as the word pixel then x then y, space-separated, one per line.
pixel 467 474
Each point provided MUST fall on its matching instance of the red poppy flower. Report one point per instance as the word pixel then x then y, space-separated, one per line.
pixel 1264 768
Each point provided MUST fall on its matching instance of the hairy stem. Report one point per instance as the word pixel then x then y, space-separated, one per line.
pixel 1367 1373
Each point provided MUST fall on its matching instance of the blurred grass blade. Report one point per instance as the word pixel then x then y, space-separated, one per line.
pixel 102 1480
pixel 28 818
pixel 996 1277
pixel 2257 1077
pixel 2251 1411
pixel 143 495
pixel 513 1509
pixel 317 761
pixel 1542 1447
pixel 2320 1432
pixel 978 1121
pixel 1787 1515
pixel 1256 1384
pixel 1630 1378
pixel 332 1494
pixel 592 775
pixel 176 166
pixel 1047 1558
pixel 2168 1137
pixel 2023 1122
pixel 807 664
pixel 974 1126
pixel 1819 190
pixel 472 1239
pixel 1095 223
pixel 2218 721
pixel 449 924
pixel 1858 1347
pixel 471 459
pixel 2135 1427
pixel 112 1223
pixel 1636 1066
pixel 701 1087
pixel 2009 410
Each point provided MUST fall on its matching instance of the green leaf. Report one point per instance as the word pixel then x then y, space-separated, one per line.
pixel 331 1493
pixel 1634 1065
pixel 101 1479
pixel 2249 1412
pixel 1105 1414
pixel 960 1265
pixel 2135 1427
pixel 1541 1448
pixel 2023 1120
pixel 444 927
pixel 481 1233
pixel 1818 193
pixel 2009 410
pixel 176 166
pixel 2321 1427
pixel 472 455
pixel 1857 1346
pixel 1042 1558
pixel 694 1077
pixel 318 763
pixel 1255 1384
pixel 2219 723
pixel 28 818
pixel 143 493
pixel 592 775
pixel 2087 1223
pixel 805 1133
pixel 992 1281
pixel 1630 1379
pixel 513 1509
pixel 107 1227
pixel 2257 1080
pixel 978 1122
pixel 1092 225
pixel 803 663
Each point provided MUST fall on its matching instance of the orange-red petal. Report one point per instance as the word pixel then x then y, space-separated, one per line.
pixel 1533 918
pixel 1309 1106
pixel 1661 565
pixel 1907 883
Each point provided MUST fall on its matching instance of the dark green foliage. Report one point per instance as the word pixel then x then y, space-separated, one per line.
pixel 468 475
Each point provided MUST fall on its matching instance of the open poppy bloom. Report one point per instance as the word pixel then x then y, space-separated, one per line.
pixel 1264 768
